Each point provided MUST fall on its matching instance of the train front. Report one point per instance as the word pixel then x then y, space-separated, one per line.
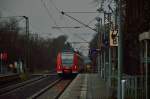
pixel 68 63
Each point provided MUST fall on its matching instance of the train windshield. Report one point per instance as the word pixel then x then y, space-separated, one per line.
pixel 67 59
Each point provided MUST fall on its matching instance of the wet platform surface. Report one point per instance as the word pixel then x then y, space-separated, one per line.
pixel 86 86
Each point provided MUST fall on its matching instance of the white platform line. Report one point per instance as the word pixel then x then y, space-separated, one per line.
pixel 83 91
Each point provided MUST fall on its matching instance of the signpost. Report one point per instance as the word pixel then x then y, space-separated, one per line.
pixel 113 38
pixel 94 51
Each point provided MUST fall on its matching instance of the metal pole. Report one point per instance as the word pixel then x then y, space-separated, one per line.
pixel 98 67
pixel 27 48
pixel 110 67
pixel 98 58
pixel 123 88
pixel 98 44
pixel 101 64
pixel 101 55
pixel 98 52
pixel 119 49
pixel 104 65
pixel 146 69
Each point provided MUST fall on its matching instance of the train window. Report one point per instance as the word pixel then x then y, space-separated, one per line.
pixel 67 59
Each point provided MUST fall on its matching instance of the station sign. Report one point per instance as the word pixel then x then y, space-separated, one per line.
pixel 94 51
pixel 113 37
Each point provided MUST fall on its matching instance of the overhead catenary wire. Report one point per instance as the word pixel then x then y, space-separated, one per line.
pixel 80 37
pixel 71 12
pixel 85 25
pixel 59 11
pixel 50 15
pixel 77 35
pixel 65 22
pixel 63 13
pixel 51 1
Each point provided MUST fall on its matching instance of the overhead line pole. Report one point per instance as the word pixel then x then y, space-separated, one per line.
pixel 119 49
pixel 27 49
pixel 99 20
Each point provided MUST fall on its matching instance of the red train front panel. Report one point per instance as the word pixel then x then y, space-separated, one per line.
pixel 67 63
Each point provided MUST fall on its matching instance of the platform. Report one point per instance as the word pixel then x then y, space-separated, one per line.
pixel 86 86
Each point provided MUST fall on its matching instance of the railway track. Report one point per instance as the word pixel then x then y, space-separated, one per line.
pixel 7 78
pixel 15 80
pixel 26 89
pixel 52 91
pixel 15 86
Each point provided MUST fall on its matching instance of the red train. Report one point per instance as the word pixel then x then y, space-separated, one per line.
pixel 69 62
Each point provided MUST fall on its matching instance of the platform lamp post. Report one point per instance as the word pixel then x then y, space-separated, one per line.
pixel 145 38
pixel 99 20
pixel 146 68
pixel 27 48
pixel 120 61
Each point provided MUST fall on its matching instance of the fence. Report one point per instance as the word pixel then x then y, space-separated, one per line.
pixel 134 86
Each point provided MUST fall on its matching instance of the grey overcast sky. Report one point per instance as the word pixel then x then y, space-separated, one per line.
pixel 42 21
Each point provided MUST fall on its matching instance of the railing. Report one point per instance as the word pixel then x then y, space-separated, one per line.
pixel 134 87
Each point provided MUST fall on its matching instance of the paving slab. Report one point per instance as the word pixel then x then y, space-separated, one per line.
pixel 86 86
